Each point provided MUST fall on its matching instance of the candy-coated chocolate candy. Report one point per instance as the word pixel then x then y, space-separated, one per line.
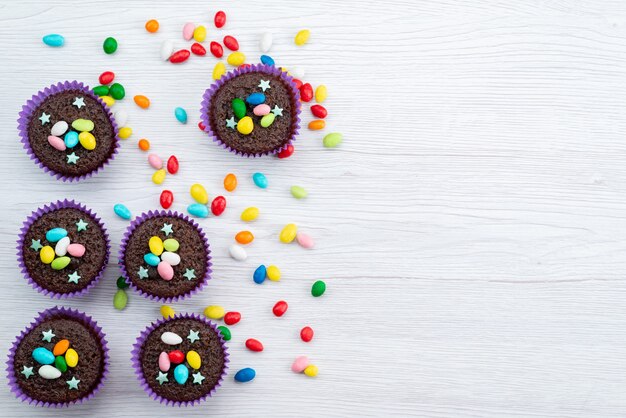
pixel 230 182
pixel 231 318
pixel 101 90
pixel 306 92
pixel 299 364
pixel 59 363
pixel 297 82
pixel 60 263
pixel 199 34
pixel 219 70
pixel 260 180
pixel 273 273
pixel 193 359
pixel 49 372
pixel 287 152
pixel 55 234
pixel 167 48
pixel 319 111
pixel 239 107
pixel 299 192
pixel 120 299
pixel 71 139
pixel 255 98
pixel 156 245
pixel 76 250
pixel 57 143
pixel 180 56
pixel 218 205
pixel 176 356
pixel 316 125
pixel 171 258
pixel 43 356
pixel 46 254
pixel 260 274
pixel 171 244
pixel 142 101
pixel 121 117
pixel 267 120
pixel 155 161
pixel 265 43
pixel 216 49
pixel 306 334
pixel 245 375
pixel 143 144
pixel 108 100
pixel 171 338
pixel 231 43
pixel 181 374
pixel 117 91
pixel 267 60
pixel 198 49
pixel 244 237
pixel 165 270
pixel 151 259
pixel 236 58
pixel 302 37
pixel 188 31
pixel 172 164
pixel 261 109
pixel 152 25
pixel 60 248
pixel 214 312
pixel 288 233
pixel 83 125
pixel 199 210
pixel 164 362
pixel 54 40
pixel 225 332
pixel 219 19
pixel 201 126
pixel 320 93
pixel 71 357
pixel 109 45
pixel 318 288
pixel 59 128
pixel 333 139
pixel 167 311
pixel 61 347
pixel 237 252
pixel 311 370
pixel 254 345
pixel 125 132
pixel 87 140
pixel 159 176
pixel 199 193
pixel 304 240
pixel 122 211
pixel 280 308
pixel 121 283
pixel 250 214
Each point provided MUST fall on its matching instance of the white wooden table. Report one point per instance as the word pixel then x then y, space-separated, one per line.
pixel 470 228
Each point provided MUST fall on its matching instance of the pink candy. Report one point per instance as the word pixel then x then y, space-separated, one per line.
pixel 165 270
pixel 300 364
pixel 76 250
pixel 164 361
pixel 261 110
pixel 305 240
pixel 188 31
pixel 56 142
pixel 155 161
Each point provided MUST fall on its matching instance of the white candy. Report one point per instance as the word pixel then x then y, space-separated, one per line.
pixel 172 259
pixel 167 47
pixel 121 117
pixel 61 248
pixel 237 252
pixel 171 338
pixel 59 128
pixel 266 42
pixel 49 372
pixel 297 72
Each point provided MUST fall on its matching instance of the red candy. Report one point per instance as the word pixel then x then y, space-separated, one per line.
pixel 231 318
pixel 166 199
pixel 172 164
pixel 306 334
pixel 220 19
pixel 319 111
pixel 298 83
pixel 254 345
pixel 218 205
pixel 176 356
pixel 216 49
pixel 198 49
pixel 287 152
pixel 306 92
pixel 106 77
pixel 280 308
pixel 179 56
pixel 231 43
pixel 201 126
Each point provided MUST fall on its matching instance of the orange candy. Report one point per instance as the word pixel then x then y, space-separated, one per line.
pixel 230 182
pixel 143 144
pixel 142 101
pixel 152 25
pixel 61 347
pixel 316 125
pixel 244 237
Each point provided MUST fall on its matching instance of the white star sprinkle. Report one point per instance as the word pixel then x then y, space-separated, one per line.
pixel 162 378
pixel 72 158
pixel 79 102
pixel 48 335
pixel 167 229
pixel 44 118
pixel 264 84
pixel 230 123
pixel 277 111
pixel 143 272
pixel 193 335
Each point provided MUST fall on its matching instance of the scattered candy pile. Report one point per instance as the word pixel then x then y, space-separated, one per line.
pixel 59 257
pixel 177 357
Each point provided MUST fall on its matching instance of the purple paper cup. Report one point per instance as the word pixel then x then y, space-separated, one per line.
pixel 27 114
pixel 268 69
pixel 137 352
pixel 51 313
pixel 201 282
pixel 51 208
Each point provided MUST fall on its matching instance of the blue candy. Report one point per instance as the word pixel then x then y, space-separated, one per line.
pixel 71 139
pixel 255 98
pixel 56 234
pixel 245 375
pixel 43 355
pixel 267 60
pixel 54 40
pixel 198 209
pixel 181 114
pixel 260 180
pixel 151 259
pixel 122 211
pixel 181 374
pixel 259 274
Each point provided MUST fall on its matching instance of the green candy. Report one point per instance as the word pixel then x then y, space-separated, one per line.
pixel 318 288
pixel 225 332
pixel 299 192
pixel 101 91
pixel 332 140
pixel 171 245
pixel 117 91
pixel 59 363
pixel 120 299
pixel 239 107
pixel 121 283
pixel 109 45
pixel 60 263
pixel 83 125
pixel 267 120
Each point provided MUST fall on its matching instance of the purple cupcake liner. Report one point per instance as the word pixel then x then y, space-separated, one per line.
pixel 49 313
pixel 27 113
pixel 269 69
pixel 152 214
pixel 136 360
pixel 36 215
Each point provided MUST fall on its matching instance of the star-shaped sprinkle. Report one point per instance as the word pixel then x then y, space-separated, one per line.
pixel 73 384
pixel 81 225
pixel 44 118
pixel 190 274
pixel 73 278
pixel 230 123
pixel 143 272
pixel 36 244
pixel 264 84
pixel 198 378
pixel 27 371
pixel 193 335
pixel 162 378
pixel 277 111
pixel 48 335
pixel 167 229
pixel 79 102
pixel 72 158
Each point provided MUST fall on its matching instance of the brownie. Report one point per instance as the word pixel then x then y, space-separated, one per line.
pixel 196 335
pixel 60 107
pixel 188 274
pixel 88 371
pixel 260 140
pixel 82 228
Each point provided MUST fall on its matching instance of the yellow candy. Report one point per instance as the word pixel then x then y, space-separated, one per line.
pixel 199 34
pixel 311 370
pixel 214 312
pixel 199 194
pixel 125 132
pixel 250 214
pixel 167 311
pixel 87 140
pixel 288 233
pixel 219 70
pixel 194 360
pixel 46 254
pixel 108 100
pixel 320 93
pixel 71 357
pixel 302 37
pixel 159 176
pixel 156 245
pixel 245 125
pixel 273 273
pixel 236 59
